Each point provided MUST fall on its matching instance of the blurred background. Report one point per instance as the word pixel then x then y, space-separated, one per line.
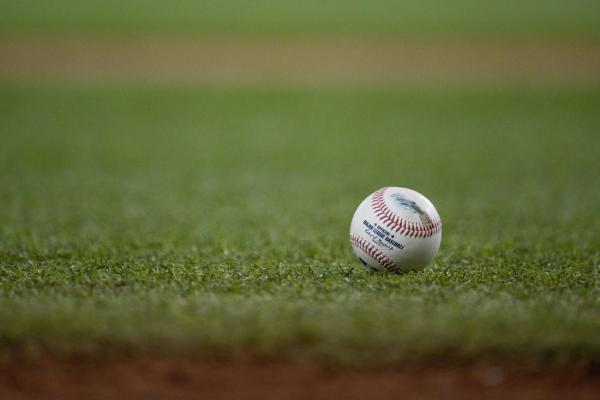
pixel 345 42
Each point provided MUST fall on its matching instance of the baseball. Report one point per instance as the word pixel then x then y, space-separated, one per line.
pixel 396 229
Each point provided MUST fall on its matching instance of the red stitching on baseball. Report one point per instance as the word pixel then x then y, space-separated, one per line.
pixel 394 222
pixel 371 250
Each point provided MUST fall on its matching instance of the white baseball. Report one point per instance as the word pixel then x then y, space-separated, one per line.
pixel 396 229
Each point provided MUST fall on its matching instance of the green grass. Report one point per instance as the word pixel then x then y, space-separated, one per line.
pixel 420 18
pixel 204 220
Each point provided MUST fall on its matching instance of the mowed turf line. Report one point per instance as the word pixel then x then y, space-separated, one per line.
pixel 515 19
pixel 216 222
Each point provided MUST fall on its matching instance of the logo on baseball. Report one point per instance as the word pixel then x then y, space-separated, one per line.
pixel 396 229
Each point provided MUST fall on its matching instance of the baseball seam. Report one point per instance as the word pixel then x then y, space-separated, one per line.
pixel 372 251
pixel 399 225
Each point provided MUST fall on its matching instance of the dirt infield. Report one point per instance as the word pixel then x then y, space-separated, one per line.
pixel 253 61
pixel 188 378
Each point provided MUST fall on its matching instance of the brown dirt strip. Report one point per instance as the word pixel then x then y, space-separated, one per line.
pixel 295 61
pixel 188 378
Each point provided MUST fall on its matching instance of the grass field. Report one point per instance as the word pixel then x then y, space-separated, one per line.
pixel 176 219
pixel 177 183
pixel 380 18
